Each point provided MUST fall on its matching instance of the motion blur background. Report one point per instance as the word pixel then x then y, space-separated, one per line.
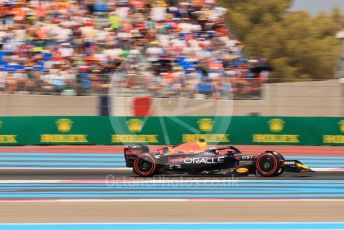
pixel 105 72
pixel 276 58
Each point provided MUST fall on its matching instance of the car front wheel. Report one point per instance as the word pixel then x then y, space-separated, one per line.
pixel 269 164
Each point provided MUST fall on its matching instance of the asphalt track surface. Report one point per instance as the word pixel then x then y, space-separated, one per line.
pixel 126 173
pixel 47 210
pixel 202 209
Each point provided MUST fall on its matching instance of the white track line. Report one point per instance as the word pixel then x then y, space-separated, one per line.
pixel 65 168
pixel 328 169
pixel 167 181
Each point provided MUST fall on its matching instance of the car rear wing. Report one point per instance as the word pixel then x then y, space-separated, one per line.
pixel 131 152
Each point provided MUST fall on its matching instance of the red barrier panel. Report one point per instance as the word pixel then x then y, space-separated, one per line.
pixel 142 106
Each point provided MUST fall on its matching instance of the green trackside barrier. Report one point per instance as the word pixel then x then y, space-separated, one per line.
pixel 171 130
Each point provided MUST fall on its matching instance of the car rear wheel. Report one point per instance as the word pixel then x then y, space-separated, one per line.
pixel 145 165
pixel 270 164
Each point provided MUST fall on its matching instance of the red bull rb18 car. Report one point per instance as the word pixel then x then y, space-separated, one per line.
pixel 212 161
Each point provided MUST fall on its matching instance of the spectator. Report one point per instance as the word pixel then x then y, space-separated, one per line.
pixel 175 48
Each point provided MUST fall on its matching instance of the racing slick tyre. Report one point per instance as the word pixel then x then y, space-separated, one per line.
pixel 270 164
pixel 281 159
pixel 145 165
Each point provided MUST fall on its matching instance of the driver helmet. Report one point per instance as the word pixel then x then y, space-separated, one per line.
pixel 202 143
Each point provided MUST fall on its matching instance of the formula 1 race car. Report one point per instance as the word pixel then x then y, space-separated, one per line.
pixel 213 161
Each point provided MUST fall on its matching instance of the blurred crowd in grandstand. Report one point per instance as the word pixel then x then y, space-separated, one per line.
pixel 66 47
